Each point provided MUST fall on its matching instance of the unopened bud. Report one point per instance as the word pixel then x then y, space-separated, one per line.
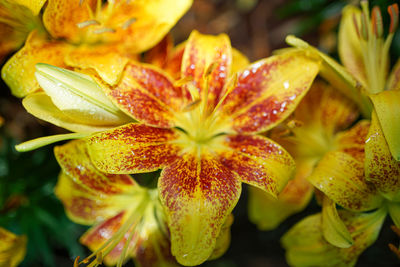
pixel 78 96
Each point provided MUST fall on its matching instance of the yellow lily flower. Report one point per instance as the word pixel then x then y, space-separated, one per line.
pixel 308 135
pixel 92 35
pixel 128 220
pixel 17 20
pixel 202 131
pixel 365 54
pixel 306 246
pixel 12 248
pixel 359 177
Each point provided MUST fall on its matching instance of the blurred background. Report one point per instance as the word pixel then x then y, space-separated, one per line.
pixel 256 27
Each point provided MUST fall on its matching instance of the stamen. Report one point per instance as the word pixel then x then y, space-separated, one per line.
pixel 210 69
pixel 394 17
pixel 356 25
pixel 364 26
pixel 395 230
pixel 87 23
pixel 128 23
pixel 99 257
pixel 76 261
pixel 376 20
pixel 394 249
pixel 191 105
pixel 104 30
pixel 184 80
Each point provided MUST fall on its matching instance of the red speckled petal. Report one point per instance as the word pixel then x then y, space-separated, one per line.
pixel 380 167
pixel 86 206
pixel 133 148
pixel 340 174
pixel 198 193
pixel 200 53
pixel 268 91
pixel 96 236
pixel 268 212
pixel 352 141
pixel 74 159
pixel 257 160
pixel 147 94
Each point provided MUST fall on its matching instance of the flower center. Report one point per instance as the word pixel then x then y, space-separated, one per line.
pixel 200 119
pixel 374 47
pixel 99 22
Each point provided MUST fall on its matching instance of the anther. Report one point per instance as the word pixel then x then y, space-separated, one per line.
pixel 377 24
pixel 294 124
pixel 87 23
pixel 128 23
pixel 104 30
pixel 191 105
pixel 210 69
pixel 394 17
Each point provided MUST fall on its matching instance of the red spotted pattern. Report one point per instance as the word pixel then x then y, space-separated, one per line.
pixel 133 148
pixel 74 159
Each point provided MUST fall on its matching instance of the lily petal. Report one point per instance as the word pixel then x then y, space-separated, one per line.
pixel 19 70
pixel 268 91
pixel 198 193
pixel 340 174
pixel 306 245
pixel 337 75
pixel 380 167
pixel 387 108
pixel 333 228
pixel 78 96
pixel 96 236
pixel 256 160
pixel 35 6
pixel 393 83
pixel 140 25
pixel 62 16
pixel 147 94
pixel 133 148
pixel 153 247
pixel 223 240
pixel 160 54
pixel 89 195
pixel 394 211
pixel 349 46
pixel 12 248
pixel 74 159
pixel 207 59
pixel 239 61
pixel 86 206
pixel 41 106
pixel 268 212
pixel 108 62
